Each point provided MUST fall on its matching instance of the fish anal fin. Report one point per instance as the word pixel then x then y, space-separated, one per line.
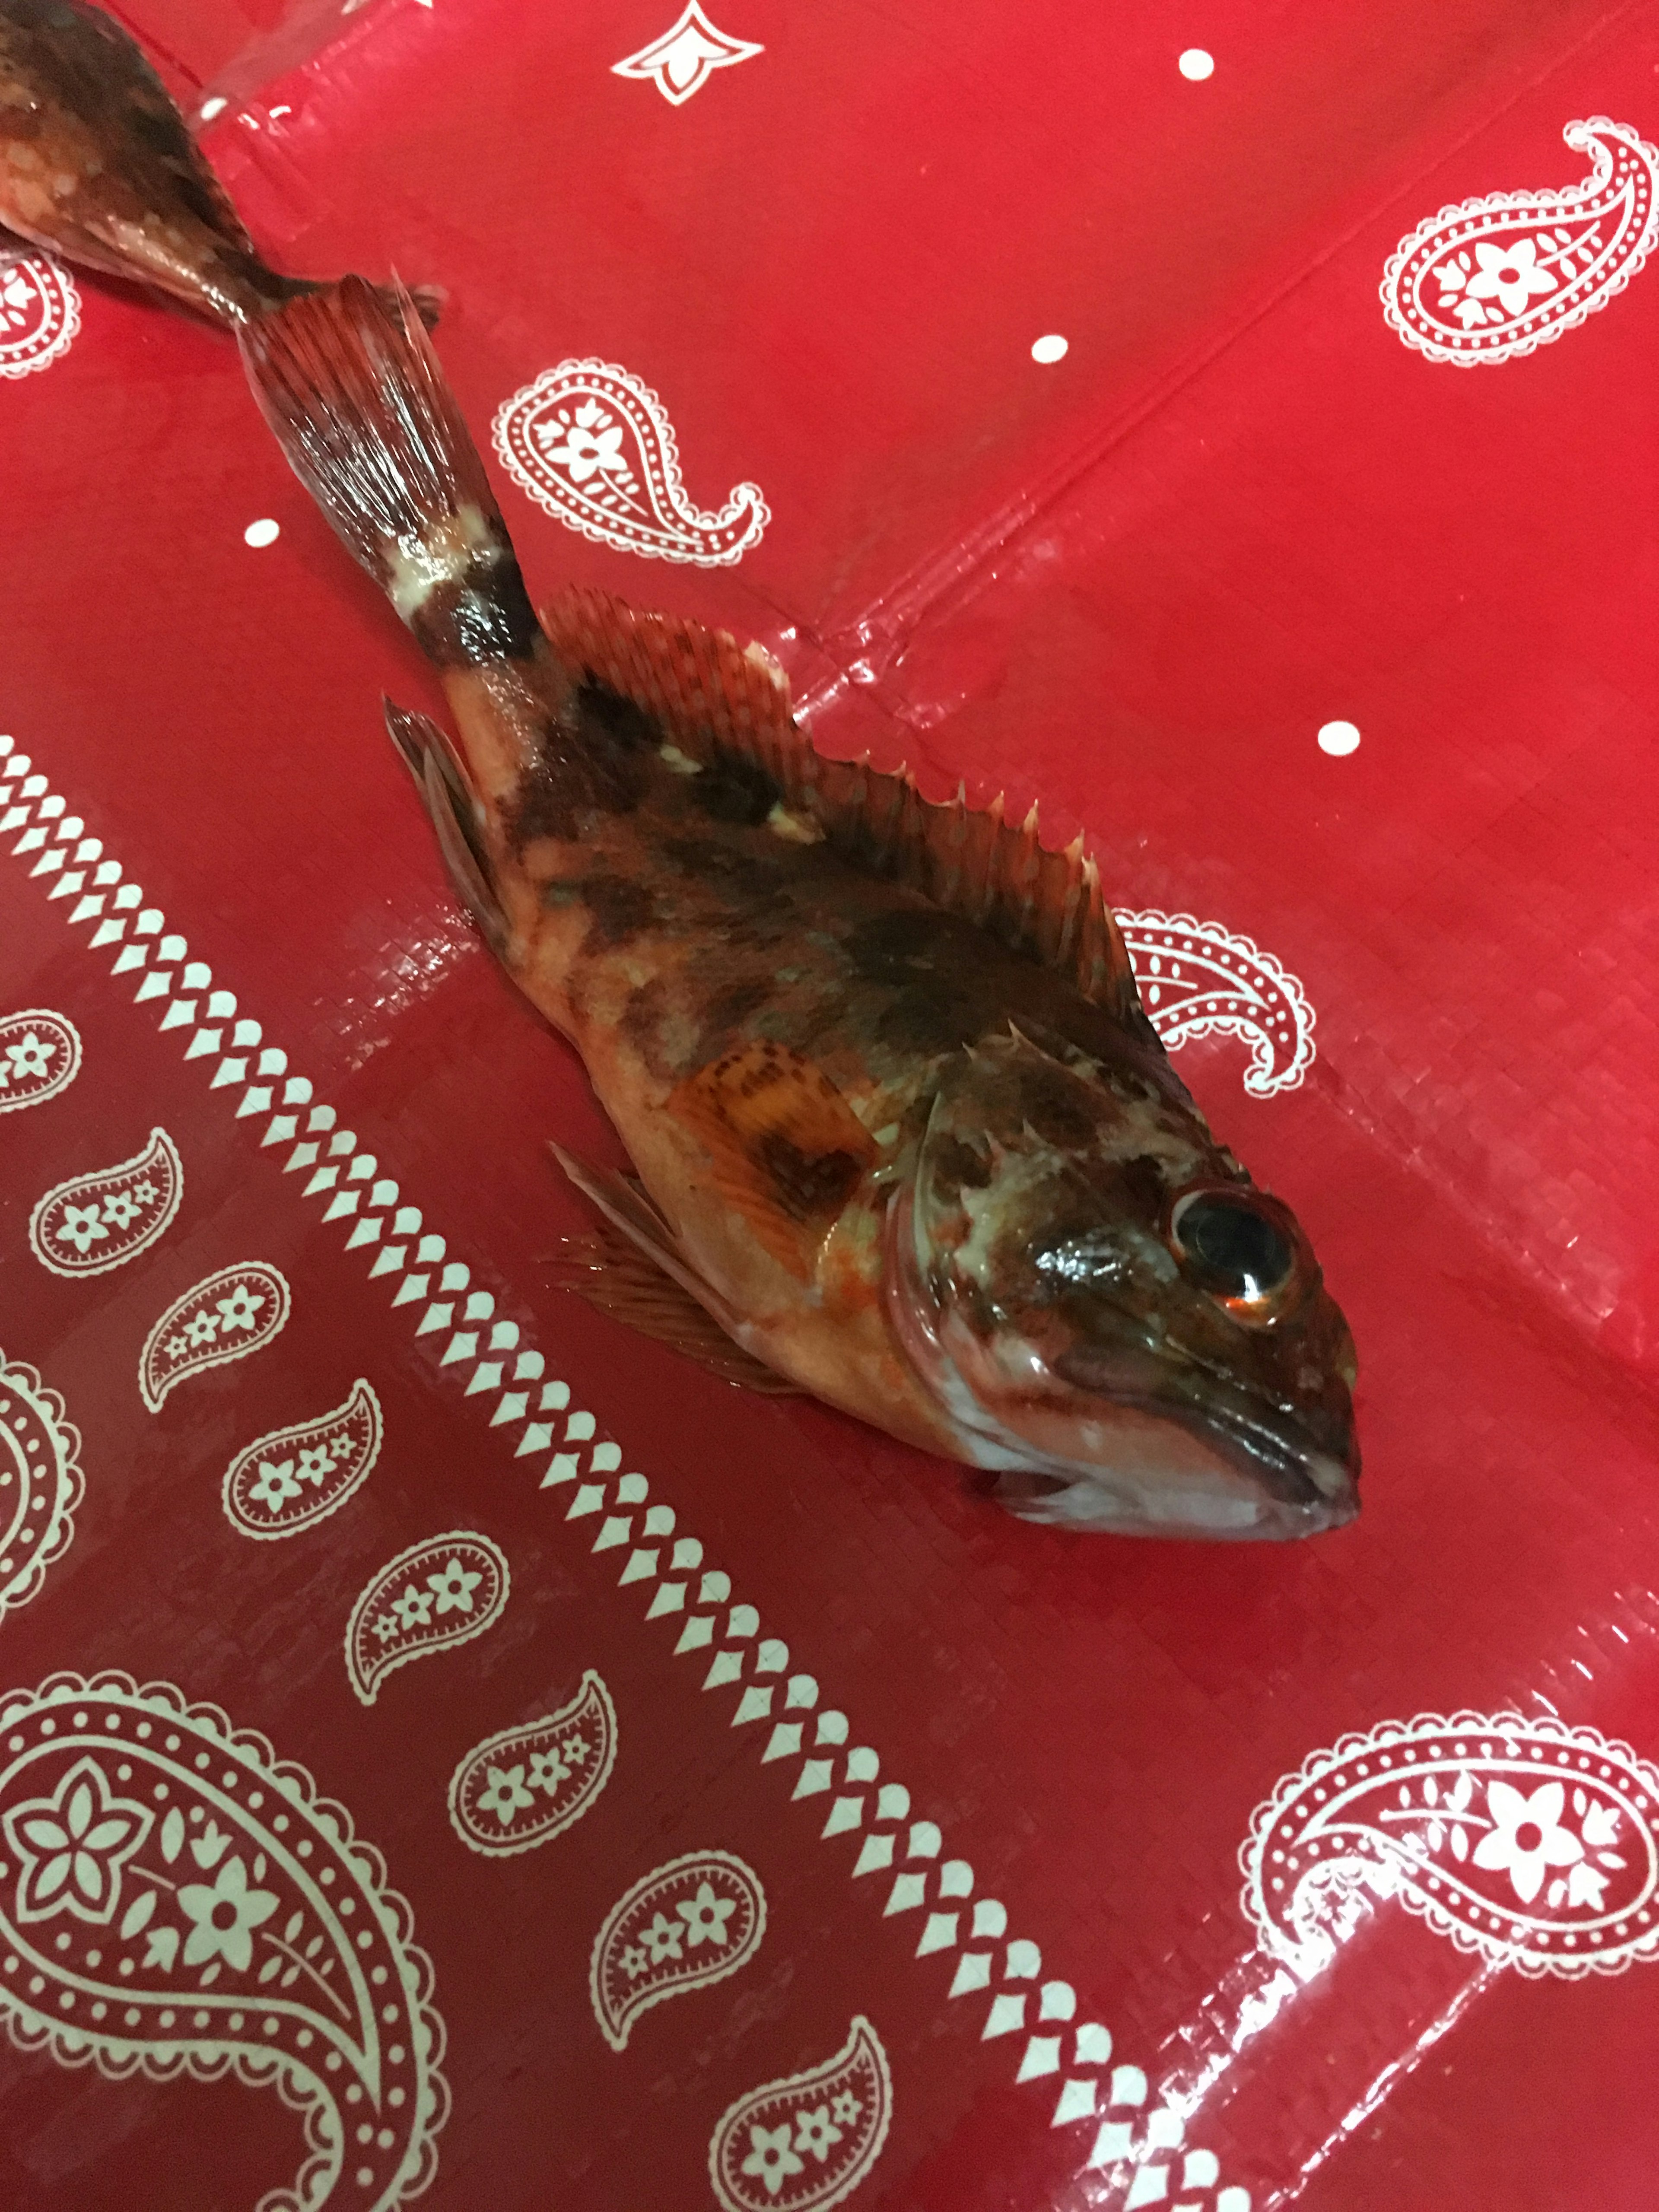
pixel 632 1268
pixel 446 791
pixel 710 694
pixel 787 1150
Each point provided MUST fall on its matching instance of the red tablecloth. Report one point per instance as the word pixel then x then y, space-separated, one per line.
pixel 448 1743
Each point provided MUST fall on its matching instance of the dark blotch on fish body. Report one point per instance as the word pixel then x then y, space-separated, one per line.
pixel 734 790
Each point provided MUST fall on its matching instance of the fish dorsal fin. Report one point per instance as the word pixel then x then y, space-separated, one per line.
pixel 710 694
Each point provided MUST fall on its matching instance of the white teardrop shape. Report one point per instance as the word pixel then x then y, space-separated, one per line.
pixel 104 1217
pixel 40 1482
pixel 433 1596
pixel 809 2140
pixel 594 446
pixel 1214 982
pixel 523 1786
pixel 39 1056
pixel 292 1478
pixel 227 1315
pixel 682 1927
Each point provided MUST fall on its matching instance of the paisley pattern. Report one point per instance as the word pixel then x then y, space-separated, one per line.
pixel 39 1056
pixel 808 2141
pixel 39 313
pixel 173 1900
pixel 594 446
pixel 1532 1842
pixel 525 1786
pixel 682 1927
pixel 1491 279
pixel 1199 979
pixel 100 1220
pixel 40 1482
pixel 292 1478
pixel 228 1313
pixel 432 1596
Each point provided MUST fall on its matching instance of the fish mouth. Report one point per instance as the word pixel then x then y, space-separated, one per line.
pixel 1097 1437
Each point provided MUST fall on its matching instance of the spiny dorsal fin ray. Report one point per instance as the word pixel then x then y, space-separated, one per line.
pixel 708 694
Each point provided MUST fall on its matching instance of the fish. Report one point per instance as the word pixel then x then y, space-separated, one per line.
pixel 902 1138
pixel 98 165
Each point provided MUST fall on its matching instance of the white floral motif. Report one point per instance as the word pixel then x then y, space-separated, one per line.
pixel 815 2132
pixel 705 1915
pixel 385 1626
pixel 73 1846
pixel 241 1309
pixel 315 1461
pixel 770 2160
pixel 505 1794
pixel 846 2108
pixel 547 1770
pixel 81 1227
pixel 634 1962
pixel 1526 1837
pixel 225 1915
pixel 454 1587
pixel 275 1484
pixel 144 1193
pixel 201 1329
pixel 413 1609
pixel 28 1057
pixel 683 60
pixel 661 1939
pixel 175 1347
pixel 1510 273
pixel 121 1207
pixel 592 441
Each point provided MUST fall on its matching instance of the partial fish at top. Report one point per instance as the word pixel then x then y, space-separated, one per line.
pixel 905 1137
pixel 97 165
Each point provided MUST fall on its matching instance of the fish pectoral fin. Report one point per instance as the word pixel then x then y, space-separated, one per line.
pixel 446 790
pixel 633 1269
pixel 787 1150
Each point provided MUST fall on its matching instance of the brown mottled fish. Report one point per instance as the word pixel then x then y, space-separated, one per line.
pixel 905 1137
pixel 97 165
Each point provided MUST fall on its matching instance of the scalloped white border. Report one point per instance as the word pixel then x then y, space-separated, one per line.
pixel 115 2059
pixel 1580 136
pixel 70 1487
pixel 618 2029
pixel 159 1146
pixel 1261 1079
pixel 1534 1965
pixel 568 375
pixel 591 1690
pixel 860 2032
pixel 56 1083
pixel 362 1389
pixel 368 1685
pixel 228 1353
pixel 68 301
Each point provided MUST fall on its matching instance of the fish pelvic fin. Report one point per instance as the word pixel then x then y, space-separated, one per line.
pixel 714 698
pixel 355 393
pixel 633 1269
pixel 448 794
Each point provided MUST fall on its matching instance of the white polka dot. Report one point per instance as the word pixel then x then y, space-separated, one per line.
pixel 1052 348
pixel 1195 64
pixel 212 107
pixel 265 533
pixel 1338 738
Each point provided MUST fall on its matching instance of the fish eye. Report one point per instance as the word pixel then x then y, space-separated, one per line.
pixel 1231 1246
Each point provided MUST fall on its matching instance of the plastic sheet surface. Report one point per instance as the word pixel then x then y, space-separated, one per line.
pixel 519 1766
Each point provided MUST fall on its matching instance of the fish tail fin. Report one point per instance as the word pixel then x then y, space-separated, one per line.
pixel 357 399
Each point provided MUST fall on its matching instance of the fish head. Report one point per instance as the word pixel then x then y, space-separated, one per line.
pixel 1110 1313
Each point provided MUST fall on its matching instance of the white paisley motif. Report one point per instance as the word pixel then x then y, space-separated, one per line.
pixel 594 446
pixel 1199 979
pixel 1530 1842
pixel 40 1482
pixel 39 313
pixel 807 2141
pixel 39 1056
pixel 1488 280
pixel 175 1901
